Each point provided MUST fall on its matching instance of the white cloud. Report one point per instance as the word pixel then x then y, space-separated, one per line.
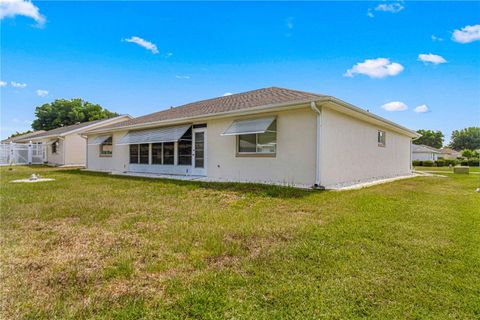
pixel 18 85
pixel 431 58
pixel 12 8
pixel 435 38
pixel 143 43
pixel 395 106
pixel 467 34
pixel 227 94
pixel 42 93
pixel 168 54
pixel 375 68
pixel 289 22
pixel 3 83
pixel 182 77
pixel 386 7
pixel 421 109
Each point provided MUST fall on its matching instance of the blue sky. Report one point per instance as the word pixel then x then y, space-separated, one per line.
pixel 366 53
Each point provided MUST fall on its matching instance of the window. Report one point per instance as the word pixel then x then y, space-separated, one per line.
pixel 381 138
pixel 259 143
pixel 55 146
pixel 185 149
pixel 144 149
pixel 139 153
pixel 163 153
pixel 157 153
pixel 106 148
pixel 168 153
pixel 134 153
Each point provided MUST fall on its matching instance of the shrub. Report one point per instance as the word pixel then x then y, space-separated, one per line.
pixel 428 163
pixel 464 162
pixel 452 162
pixel 440 163
pixel 474 162
pixel 417 163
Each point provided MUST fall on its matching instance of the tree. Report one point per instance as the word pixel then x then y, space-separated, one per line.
pixel 468 138
pixel 467 153
pixel 430 138
pixel 62 112
pixel 16 134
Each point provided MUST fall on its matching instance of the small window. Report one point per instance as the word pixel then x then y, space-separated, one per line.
pixel 259 143
pixel 106 148
pixel 381 138
pixel 55 146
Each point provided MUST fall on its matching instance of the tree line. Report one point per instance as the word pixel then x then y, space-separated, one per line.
pixel 464 139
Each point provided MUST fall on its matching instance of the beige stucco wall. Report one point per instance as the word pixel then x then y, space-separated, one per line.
pixel 75 150
pixel 350 151
pixel 117 162
pixel 55 159
pixel 295 159
pixel 294 162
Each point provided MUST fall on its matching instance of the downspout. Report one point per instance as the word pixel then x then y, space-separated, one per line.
pixel 411 152
pixel 86 151
pixel 318 179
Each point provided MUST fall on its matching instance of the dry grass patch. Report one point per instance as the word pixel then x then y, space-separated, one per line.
pixel 96 246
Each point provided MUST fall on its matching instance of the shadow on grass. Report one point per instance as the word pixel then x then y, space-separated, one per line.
pixel 253 188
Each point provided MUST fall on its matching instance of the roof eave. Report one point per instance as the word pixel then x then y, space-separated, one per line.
pixel 412 134
pixel 254 110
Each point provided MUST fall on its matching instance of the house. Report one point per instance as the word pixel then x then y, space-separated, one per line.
pixel 66 146
pixel 447 153
pixel 270 135
pixel 22 137
pixel 422 152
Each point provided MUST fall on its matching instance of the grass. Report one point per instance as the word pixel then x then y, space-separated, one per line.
pixel 93 246
pixel 444 169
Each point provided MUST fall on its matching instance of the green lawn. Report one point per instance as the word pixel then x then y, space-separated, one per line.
pixel 444 169
pixel 90 245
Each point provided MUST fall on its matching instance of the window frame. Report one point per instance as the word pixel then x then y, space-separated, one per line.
pixel 101 152
pixel 380 143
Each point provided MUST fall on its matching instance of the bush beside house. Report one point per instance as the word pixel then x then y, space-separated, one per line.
pixel 474 162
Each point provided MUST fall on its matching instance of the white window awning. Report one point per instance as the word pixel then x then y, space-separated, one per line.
pixel 169 134
pixel 99 140
pixel 250 126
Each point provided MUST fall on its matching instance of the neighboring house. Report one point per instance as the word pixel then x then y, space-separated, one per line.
pixel 422 152
pixel 448 153
pixel 66 146
pixel 22 137
pixel 270 135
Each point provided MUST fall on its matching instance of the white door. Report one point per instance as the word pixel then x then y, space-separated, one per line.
pixel 199 151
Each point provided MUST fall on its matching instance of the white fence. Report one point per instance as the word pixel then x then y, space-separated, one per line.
pixel 17 153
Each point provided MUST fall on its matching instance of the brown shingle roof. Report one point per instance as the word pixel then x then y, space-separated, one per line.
pixel 61 130
pixel 23 136
pixel 240 101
